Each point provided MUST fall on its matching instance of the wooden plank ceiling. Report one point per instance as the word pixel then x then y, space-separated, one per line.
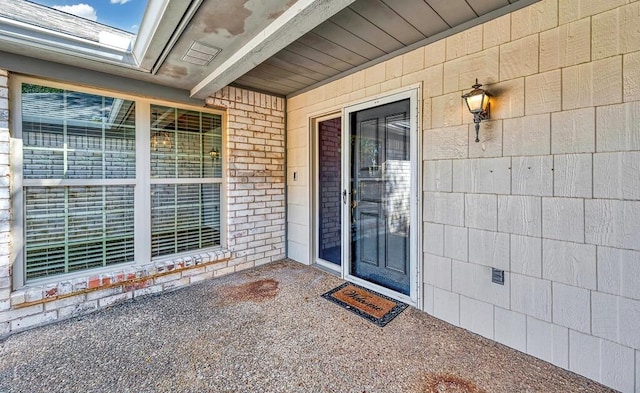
pixel 359 34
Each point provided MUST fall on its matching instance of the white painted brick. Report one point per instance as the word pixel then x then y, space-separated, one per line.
pixel 510 329
pixel 571 307
pixel 613 223
pixel 531 296
pixel 446 143
pixel 573 175
pixel 548 342
pixel 446 306
pixel 573 131
pixel 474 281
pixel 490 135
pixel 520 215
pixel 437 271
pixel 618 127
pixel 476 316
pixel 527 136
pixel 489 249
pixel 543 93
pixel 481 211
pixel 78 309
pixel 428 299
pixel 526 255
pixel 108 301
pixel 433 238
pixel 34 320
pixel 619 272
pixel 444 208
pixel 482 175
pixel 455 242
pixel 616 175
pixel 563 219
pixel 569 263
pixel 437 175
pixel 532 176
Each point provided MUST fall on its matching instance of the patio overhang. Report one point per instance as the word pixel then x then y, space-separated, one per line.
pixel 281 47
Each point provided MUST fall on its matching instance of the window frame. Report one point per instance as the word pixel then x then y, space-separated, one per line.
pixel 141 183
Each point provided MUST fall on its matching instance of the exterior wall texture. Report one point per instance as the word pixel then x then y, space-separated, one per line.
pixel 255 222
pixel 551 194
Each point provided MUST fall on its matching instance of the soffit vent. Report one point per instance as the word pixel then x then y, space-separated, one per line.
pixel 200 54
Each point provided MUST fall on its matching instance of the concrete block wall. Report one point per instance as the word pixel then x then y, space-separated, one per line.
pixel 550 195
pixel 255 230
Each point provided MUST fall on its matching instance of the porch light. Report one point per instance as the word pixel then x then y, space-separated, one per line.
pixel 478 103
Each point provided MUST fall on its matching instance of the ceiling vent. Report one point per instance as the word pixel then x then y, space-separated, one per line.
pixel 200 54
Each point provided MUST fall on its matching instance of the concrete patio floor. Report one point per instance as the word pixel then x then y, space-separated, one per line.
pixel 265 330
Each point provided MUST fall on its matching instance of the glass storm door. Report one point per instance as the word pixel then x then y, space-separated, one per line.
pixel 329 172
pixel 380 195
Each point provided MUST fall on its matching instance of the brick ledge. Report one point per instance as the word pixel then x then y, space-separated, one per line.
pixel 132 278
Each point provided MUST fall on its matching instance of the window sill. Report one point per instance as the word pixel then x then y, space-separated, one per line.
pixel 130 278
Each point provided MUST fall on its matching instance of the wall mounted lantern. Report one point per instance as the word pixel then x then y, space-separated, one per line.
pixel 477 101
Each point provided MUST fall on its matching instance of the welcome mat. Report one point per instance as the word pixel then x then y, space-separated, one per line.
pixel 375 307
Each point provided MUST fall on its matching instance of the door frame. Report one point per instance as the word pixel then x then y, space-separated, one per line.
pixel 315 193
pixel 413 95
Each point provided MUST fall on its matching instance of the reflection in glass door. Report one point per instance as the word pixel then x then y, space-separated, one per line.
pixel 328 221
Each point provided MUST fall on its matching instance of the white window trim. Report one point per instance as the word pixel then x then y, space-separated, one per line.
pixel 143 181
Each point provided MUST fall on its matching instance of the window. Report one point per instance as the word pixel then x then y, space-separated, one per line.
pixel 186 172
pixel 82 195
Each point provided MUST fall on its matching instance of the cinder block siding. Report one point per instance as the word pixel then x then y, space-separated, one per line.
pixel 255 217
pixel 551 194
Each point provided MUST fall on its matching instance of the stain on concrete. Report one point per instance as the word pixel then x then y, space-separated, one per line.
pixel 230 16
pixel 174 71
pixel 449 383
pixel 254 291
pixel 274 15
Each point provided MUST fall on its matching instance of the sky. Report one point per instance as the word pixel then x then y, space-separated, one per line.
pixel 122 14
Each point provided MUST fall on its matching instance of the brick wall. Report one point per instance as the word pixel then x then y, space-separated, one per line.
pixel 255 206
pixel 551 194
pixel 255 195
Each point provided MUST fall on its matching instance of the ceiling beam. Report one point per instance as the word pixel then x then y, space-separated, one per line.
pixel 299 19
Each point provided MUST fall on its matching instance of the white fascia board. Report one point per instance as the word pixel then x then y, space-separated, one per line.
pixel 298 20
pixel 159 23
pixel 29 35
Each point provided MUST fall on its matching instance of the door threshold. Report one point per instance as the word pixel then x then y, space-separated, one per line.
pixel 329 270
pixel 382 290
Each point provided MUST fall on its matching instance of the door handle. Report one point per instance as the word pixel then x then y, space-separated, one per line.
pixel 344 197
